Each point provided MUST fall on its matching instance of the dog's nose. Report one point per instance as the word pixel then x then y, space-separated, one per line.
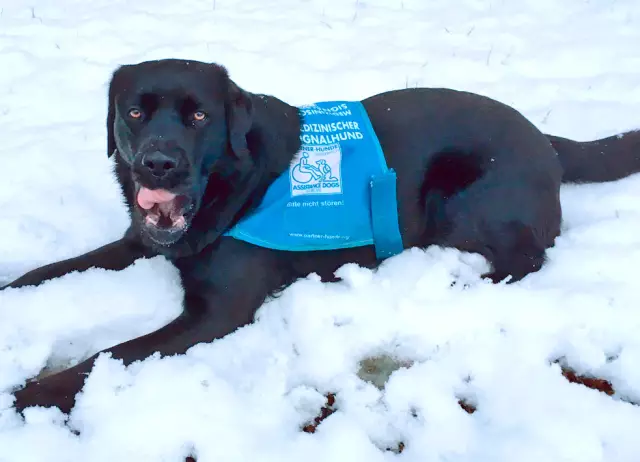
pixel 159 164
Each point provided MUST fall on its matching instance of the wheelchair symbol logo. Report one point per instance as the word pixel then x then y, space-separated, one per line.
pixel 317 171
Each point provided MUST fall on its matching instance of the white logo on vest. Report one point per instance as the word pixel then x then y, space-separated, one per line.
pixel 316 170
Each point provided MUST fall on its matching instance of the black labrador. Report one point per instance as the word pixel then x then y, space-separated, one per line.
pixel 194 153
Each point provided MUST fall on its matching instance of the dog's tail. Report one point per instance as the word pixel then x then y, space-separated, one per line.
pixel 606 159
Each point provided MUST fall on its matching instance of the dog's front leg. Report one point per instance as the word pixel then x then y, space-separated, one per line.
pixel 223 290
pixel 114 256
pixel 207 316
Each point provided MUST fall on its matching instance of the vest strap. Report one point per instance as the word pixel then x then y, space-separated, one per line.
pixel 384 215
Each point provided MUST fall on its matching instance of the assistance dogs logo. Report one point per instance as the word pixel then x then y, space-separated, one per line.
pixel 316 170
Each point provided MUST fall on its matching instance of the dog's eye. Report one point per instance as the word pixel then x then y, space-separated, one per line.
pixel 199 116
pixel 135 113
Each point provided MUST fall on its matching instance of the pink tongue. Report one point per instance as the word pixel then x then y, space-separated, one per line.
pixel 147 198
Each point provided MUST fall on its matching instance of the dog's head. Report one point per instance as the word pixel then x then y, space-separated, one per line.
pixel 174 125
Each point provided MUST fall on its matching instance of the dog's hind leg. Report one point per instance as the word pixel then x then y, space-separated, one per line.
pixel 510 225
pixel 509 217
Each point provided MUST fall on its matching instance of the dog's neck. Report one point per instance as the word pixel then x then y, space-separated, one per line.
pixel 275 132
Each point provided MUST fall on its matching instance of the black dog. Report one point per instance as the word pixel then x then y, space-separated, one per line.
pixel 195 153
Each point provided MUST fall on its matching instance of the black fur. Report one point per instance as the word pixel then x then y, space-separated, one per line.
pixel 473 174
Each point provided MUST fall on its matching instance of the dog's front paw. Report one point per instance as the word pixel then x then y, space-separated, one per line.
pixel 58 390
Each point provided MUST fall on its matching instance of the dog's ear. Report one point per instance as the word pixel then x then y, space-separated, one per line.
pixel 115 87
pixel 239 114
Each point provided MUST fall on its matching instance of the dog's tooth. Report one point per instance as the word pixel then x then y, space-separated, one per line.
pixel 179 222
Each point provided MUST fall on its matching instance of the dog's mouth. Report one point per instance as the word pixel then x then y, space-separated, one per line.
pixel 166 215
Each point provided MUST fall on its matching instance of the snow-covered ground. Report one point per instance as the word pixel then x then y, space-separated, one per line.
pixel 572 67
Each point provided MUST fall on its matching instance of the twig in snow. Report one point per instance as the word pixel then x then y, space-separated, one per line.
pixel 506 58
pixel 33 14
pixel 355 14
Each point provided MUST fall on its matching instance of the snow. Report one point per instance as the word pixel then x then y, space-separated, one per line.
pixel 572 67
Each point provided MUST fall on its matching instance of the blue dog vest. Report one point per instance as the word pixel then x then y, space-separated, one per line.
pixel 337 193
